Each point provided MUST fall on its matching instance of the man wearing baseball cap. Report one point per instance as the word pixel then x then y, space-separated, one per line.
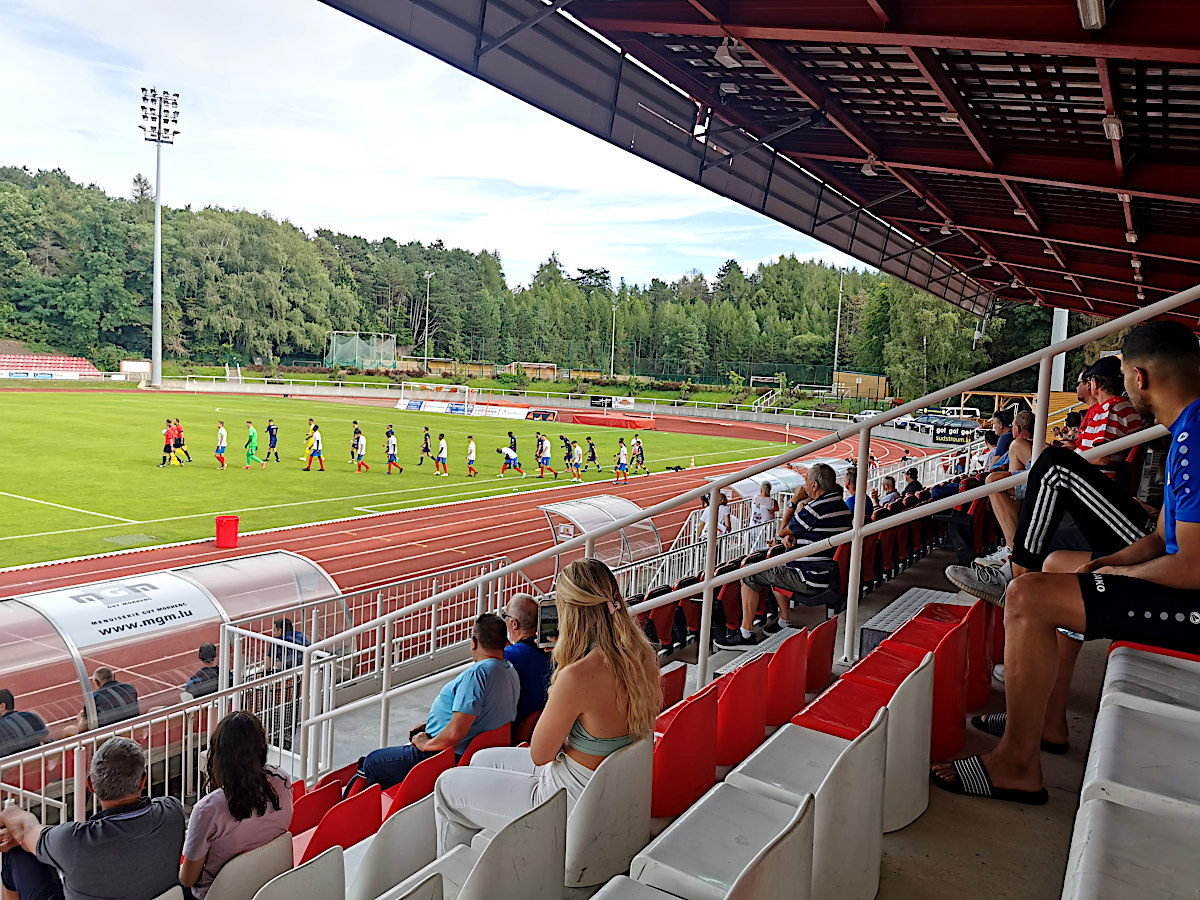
pixel 205 681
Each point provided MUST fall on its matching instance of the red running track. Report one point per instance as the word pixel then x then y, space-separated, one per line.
pixel 378 549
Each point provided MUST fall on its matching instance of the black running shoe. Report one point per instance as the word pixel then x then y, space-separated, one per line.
pixel 735 641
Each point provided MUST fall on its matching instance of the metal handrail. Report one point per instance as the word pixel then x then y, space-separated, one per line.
pixel 1043 358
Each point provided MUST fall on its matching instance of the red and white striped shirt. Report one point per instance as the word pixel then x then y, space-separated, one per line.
pixel 1108 421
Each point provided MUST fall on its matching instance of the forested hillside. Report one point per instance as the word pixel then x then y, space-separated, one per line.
pixel 76 270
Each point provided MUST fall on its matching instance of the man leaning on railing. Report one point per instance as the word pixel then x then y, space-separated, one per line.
pixel 1136 585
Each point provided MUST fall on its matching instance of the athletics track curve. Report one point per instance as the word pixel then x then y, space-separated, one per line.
pixel 377 549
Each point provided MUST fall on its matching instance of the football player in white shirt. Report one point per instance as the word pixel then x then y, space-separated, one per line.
pixel 471 473
pixel 222 443
pixel 622 457
pixel 576 462
pixel 316 451
pixel 439 464
pixel 510 461
pixel 360 450
pixel 543 453
pixel 391 452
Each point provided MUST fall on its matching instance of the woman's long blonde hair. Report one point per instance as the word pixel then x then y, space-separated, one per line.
pixel 592 615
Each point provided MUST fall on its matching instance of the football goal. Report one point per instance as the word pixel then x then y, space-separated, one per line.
pixel 447 398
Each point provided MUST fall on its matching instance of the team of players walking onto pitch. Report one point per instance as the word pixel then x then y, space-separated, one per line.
pixel 628 456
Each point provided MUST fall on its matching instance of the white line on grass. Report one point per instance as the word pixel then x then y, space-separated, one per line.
pixel 470 493
pixel 86 512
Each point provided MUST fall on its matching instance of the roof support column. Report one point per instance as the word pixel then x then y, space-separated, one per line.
pixel 1058 332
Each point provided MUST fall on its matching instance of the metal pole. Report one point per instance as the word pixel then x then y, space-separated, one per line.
pixel 837 335
pixel 612 359
pixel 1058 332
pixel 156 314
pixel 854 584
pixel 1041 411
pixel 706 602
pixel 428 275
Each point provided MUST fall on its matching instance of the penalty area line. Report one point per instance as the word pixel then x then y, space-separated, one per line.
pixel 86 512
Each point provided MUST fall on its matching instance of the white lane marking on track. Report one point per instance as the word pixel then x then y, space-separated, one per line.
pixel 86 512
pixel 459 494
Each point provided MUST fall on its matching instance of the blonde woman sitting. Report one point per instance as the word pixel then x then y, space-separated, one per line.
pixel 604 695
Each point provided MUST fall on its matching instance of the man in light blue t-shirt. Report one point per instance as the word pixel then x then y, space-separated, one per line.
pixel 480 699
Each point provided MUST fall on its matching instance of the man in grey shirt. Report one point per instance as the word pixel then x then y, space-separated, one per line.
pixel 128 850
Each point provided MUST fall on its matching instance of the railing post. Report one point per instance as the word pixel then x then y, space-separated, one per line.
pixel 589 548
pixel 854 583
pixel 80 780
pixel 1041 419
pixel 380 655
pixel 706 602
pixel 239 671
pixel 433 617
pixel 386 686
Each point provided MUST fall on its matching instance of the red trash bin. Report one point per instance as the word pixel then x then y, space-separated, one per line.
pixel 227 532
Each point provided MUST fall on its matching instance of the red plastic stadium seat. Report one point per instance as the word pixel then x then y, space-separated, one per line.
pixel 691 605
pixel 299 788
pixel 946 635
pixel 340 777
pixel 673 680
pixel 685 754
pixel 662 616
pixel 353 820
pixel 786 675
pixel 417 784
pixel 523 730
pixel 497 737
pixel 847 709
pixel 819 671
pixel 309 809
pixel 741 711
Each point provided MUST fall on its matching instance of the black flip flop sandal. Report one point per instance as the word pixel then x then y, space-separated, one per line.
pixel 995 723
pixel 972 780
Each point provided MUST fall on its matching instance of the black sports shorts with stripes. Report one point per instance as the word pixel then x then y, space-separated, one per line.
pixel 1131 609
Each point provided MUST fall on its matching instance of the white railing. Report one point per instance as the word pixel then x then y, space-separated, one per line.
pixel 687 559
pixel 765 401
pixel 1042 358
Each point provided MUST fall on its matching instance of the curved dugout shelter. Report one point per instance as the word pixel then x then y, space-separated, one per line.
pixel 583 515
pixel 146 628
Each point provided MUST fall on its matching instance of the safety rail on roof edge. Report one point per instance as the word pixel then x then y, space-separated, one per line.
pixel 1043 358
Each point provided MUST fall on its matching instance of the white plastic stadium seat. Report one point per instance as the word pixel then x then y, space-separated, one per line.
pixel 404 844
pixel 321 878
pixel 523 861
pixel 242 876
pixel 910 721
pixel 1144 760
pixel 846 780
pixel 625 888
pixel 733 844
pixel 1122 853
pixel 1150 681
pixel 611 820
pixel 175 893
pixel 429 889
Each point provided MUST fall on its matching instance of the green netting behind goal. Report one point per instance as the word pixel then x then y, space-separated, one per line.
pixel 361 349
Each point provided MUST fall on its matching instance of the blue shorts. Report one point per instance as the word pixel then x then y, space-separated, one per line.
pixel 220 451
pixel 315 454
pixel 576 465
pixel 391 457
pixel 360 457
pixel 271 446
pixel 545 461
pixel 622 467
pixel 441 459
pixel 514 462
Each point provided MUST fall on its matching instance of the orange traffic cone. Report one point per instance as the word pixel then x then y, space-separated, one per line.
pixel 693 465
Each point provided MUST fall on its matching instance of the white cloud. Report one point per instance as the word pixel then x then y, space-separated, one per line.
pixel 299 110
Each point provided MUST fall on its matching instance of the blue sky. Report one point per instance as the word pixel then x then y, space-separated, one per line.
pixel 292 108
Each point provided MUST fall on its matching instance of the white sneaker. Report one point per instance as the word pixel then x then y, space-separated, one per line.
pixel 985 582
pixel 996 559
pixel 998 672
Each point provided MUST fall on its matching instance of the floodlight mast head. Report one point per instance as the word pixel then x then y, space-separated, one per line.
pixel 160 115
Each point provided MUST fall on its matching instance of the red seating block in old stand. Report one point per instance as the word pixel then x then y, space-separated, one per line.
pixel 820 656
pixel 685 753
pixel 741 711
pixel 934 629
pixel 673 680
pixel 787 673
pixel 500 736
pixel 417 784
pixel 979 654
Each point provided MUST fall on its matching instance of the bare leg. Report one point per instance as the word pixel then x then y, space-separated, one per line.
pixel 1006 507
pixel 750 598
pixel 1036 604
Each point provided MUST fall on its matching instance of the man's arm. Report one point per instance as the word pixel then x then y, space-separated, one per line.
pixel 457 729
pixel 1174 570
pixel 23 828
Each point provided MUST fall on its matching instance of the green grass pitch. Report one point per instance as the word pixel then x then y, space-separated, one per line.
pixel 82 476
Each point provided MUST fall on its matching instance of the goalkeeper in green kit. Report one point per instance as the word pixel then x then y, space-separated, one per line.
pixel 252 446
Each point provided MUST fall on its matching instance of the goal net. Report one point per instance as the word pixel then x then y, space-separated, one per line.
pixel 445 398
pixel 362 350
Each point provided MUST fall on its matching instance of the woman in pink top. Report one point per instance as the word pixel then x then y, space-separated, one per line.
pixel 250 803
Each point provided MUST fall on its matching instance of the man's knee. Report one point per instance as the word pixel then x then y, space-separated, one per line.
pixel 1025 598
pixel 995 476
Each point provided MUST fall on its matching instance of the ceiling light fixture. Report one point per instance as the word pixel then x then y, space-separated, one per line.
pixel 1049 251
pixel 868 168
pixel 1124 198
pixel 818 119
pixel 922 204
pixel 1113 129
pixel 1137 276
pixel 727 55
pixel 950 118
pixel 945 229
pixel 1019 211
pixel 1131 236
pixel 1141 295
pixel 1135 262
pixel 988 262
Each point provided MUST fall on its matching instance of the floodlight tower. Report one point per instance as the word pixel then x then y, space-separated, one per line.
pixel 428 275
pixel 160 115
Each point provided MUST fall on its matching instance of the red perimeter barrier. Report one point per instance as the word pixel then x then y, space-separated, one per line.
pixel 614 420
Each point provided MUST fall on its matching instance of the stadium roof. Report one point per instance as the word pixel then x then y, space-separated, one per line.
pixel 976 150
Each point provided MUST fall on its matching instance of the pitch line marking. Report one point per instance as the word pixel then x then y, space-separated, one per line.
pixel 86 512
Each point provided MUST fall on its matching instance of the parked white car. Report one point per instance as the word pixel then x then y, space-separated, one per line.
pixel 867 414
